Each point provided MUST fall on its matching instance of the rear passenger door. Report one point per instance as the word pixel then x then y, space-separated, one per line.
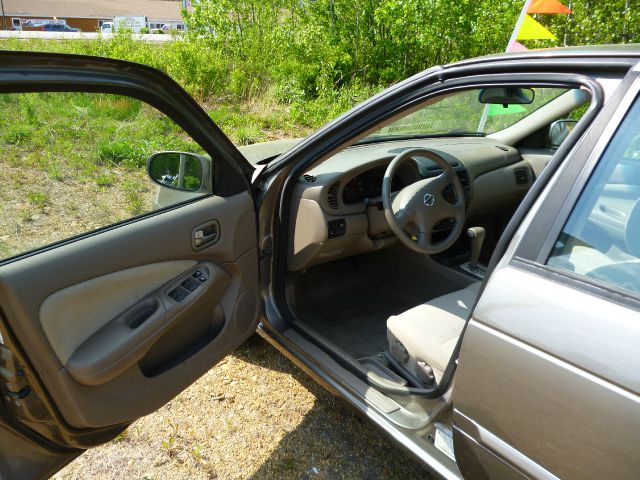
pixel 116 292
pixel 548 383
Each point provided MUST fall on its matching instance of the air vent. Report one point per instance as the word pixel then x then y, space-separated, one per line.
pixel 464 178
pixel 522 176
pixel 449 194
pixel 332 196
pixel 309 178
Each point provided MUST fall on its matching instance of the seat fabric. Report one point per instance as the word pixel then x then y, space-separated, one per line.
pixel 429 332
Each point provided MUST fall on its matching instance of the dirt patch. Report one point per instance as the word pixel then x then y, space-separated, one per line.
pixel 254 416
pixel 37 210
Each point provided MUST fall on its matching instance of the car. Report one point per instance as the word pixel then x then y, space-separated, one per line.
pixel 456 257
pixel 58 27
pixel 163 29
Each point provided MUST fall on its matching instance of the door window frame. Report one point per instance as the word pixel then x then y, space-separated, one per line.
pixel 540 236
pixel 32 72
pixel 369 116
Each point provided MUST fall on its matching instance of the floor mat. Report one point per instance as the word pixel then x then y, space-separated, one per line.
pixel 355 318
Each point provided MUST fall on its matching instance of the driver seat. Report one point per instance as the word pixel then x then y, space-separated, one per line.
pixel 423 338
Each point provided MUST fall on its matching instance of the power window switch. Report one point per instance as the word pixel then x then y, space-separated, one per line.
pixel 197 274
pixel 178 294
pixel 190 284
pixel 202 279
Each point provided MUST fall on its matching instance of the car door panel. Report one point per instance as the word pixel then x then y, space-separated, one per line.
pixel 70 316
pixel 548 404
pixel 104 334
pixel 479 462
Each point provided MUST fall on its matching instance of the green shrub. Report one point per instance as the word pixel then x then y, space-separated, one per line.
pixel 121 152
pixel 17 134
pixel 38 199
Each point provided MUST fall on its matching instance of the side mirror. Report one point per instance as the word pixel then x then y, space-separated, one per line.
pixel 507 96
pixel 182 171
pixel 559 131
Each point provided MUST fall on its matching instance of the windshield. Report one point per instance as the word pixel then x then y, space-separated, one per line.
pixel 462 114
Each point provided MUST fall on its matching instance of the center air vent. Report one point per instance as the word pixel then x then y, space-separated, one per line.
pixel 309 178
pixel 464 178
pixel 449 194
pixel 522 176
pixel 332 196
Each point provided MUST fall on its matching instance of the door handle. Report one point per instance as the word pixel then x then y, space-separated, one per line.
pixel 205 234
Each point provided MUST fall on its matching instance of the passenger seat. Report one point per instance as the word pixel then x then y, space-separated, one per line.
pixel 422 339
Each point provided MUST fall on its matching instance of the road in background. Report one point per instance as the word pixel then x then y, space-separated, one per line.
pixel 146 37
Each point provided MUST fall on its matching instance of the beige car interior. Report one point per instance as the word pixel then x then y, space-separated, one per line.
pixel 144 325
pixel 351 283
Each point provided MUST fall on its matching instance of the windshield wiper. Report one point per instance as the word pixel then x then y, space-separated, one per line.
pixel 451 133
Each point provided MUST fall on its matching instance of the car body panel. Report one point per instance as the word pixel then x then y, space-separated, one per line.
pixel 259 152
pixel 557 398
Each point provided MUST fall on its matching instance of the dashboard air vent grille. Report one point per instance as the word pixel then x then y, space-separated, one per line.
pixel 332 195
pixel 522 176
pixel 309 178
pixel 464 178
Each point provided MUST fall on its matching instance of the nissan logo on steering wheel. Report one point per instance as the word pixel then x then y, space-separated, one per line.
pixel 429 200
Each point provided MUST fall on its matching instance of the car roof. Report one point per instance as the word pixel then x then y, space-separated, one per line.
pixel 586 52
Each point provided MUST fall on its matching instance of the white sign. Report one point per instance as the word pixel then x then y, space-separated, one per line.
pixel 40 22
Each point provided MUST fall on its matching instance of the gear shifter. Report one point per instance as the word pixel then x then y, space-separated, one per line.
pixel 476 237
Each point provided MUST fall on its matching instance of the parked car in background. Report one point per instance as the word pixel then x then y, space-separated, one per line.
pixel 163 29
pixel 59 27
pixel 457 257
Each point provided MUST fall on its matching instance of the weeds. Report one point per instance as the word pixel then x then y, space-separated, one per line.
pixel 17 134
pixel 38 199
pixel 121 437
pixel 104 180
pixel 55 170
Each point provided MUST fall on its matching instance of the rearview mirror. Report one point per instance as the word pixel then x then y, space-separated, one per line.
pixel 559 131
pixel 178 170
pixel 506 96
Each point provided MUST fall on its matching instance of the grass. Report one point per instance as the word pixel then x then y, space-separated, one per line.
pixel 84 155
pixel 38 199
pixel 73 162
pixel 244 113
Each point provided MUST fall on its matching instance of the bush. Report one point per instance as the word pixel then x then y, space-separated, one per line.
pixel 121 152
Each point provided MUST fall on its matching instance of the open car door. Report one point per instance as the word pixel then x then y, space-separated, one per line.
pixel 111 303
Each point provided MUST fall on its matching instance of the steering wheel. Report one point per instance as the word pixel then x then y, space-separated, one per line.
pixel 421 205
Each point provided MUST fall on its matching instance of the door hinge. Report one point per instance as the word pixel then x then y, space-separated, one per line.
pixel 15 381
pixel 16 391
pixel 23 403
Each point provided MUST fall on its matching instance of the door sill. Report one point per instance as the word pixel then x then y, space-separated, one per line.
pixel 409 421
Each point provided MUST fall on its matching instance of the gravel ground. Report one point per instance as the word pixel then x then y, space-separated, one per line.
pixel 254 416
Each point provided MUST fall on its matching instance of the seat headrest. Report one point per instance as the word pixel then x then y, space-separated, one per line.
pixel 632 231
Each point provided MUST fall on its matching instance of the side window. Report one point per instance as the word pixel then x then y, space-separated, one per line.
pixel 71 163
pixel 601 239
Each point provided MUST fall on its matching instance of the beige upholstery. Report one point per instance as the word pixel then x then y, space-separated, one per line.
pixel 73 314
pixel 429 332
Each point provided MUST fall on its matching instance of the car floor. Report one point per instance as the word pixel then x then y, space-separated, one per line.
pixel 348 301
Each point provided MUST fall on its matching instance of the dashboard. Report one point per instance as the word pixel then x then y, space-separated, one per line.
pixel 369 185
pixel 337 206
